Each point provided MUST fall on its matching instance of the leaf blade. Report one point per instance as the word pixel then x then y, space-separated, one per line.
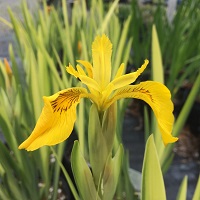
pixel 152 179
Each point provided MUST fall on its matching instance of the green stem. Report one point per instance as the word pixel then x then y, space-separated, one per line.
pixel 60 151
pixel 71 185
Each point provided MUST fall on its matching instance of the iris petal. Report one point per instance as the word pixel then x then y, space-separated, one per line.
pixel 56 121
pixel 87 66
pixel 72 71
pixel 158 97
pixel 91 83
pixel 101 55
pixel 80 70
pixel 121 81
pixel 120 71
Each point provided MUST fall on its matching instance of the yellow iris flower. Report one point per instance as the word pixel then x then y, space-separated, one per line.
pixel 58 116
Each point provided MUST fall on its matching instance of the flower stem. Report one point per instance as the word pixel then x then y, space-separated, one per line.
pixel 69 181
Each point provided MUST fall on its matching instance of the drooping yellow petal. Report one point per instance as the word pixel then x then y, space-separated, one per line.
pixel 101 54
pixel 159 98
pixel 121 81
pixel 56 121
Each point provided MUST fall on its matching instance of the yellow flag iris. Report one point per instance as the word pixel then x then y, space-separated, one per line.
pixel 58 116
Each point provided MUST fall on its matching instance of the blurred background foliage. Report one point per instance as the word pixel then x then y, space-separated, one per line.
pixel 59 32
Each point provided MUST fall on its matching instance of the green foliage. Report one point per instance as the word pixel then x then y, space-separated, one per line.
pixel 182 193
pixel 196 195
pixel 165 153
pixel 178 39
pixel 46 43
pixel 83 175
pixel 98 152
pixel 111 173
pixel 105 168
pixel 18 167
pixel 152 179
pixel 102 182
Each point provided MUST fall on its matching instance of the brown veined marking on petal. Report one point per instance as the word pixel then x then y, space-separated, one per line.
pixel 65 100
pixel 120 93
pixel 146 91
pixel 141 90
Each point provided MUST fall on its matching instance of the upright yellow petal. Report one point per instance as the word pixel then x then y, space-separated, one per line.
pixel 72 71
pixel 101 54
pixel 56 121
pixel 91 83
pixel 159 98
pixel 80 70
pixel 120 71
pixel 87 66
